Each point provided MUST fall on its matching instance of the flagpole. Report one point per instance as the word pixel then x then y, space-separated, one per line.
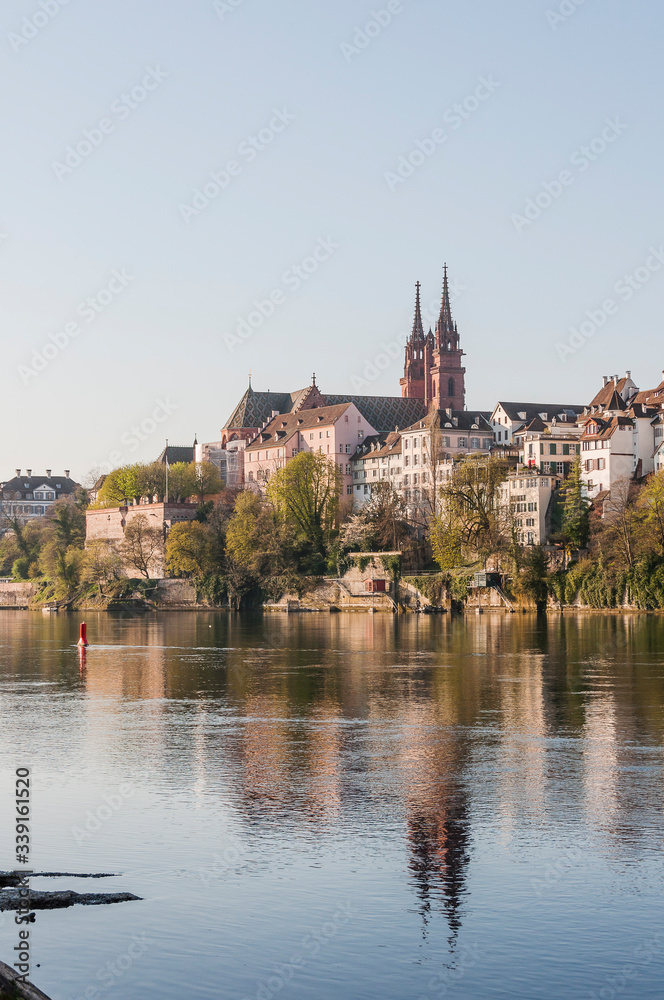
pixel 166 498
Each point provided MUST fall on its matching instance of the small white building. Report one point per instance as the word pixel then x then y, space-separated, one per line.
pixel 507 419
pixel 26 497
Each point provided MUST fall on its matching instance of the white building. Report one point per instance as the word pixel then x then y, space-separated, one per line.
pixel 550 446
pixel 26 496
pixel 508 419
pixel 528 494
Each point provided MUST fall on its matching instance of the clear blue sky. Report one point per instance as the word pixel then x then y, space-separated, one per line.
pixel 347 114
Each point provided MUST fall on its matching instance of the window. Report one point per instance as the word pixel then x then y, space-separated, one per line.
pixel 532 506
pixel 552 449
pixel 446 442
pixel 406 443
pixel 360 435
pixel 530 522
pixel 320 434
pixel 327 433
pixel 341 449
pixel 251 474
pixel 416 479
pixel 406 480
pixel 416 459
pixel 474 442
pixel 406 460
pixel 349 489
pixel 348 470
pixel 486 443
pixel 565 449
pixel 450 387
pixel 366 488
pixel 462 442
pixel 311 437
pixel 348 449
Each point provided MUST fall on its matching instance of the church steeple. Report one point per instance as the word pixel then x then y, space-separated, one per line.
pixel 447 337
pixel 418 328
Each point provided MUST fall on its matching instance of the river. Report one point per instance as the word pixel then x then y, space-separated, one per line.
pixel 341 806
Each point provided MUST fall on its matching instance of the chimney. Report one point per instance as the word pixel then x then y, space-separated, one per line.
pixel 615 381
pixel 628 375
pixel 66 473
pixel 605 379
pixel 18 472
pixel 29 472
pixel 48 473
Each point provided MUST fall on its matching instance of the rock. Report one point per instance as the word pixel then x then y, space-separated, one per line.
pixel 15 989
pixel 12 900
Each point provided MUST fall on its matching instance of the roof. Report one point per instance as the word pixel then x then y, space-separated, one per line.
pixel 387 444
pixel 282 427
pixel 384 413
pixel 459 420
pixel 175 453
pixel 651 397
pixel 532 410
pixel 604 395
pixel 59 484
pixel 605 428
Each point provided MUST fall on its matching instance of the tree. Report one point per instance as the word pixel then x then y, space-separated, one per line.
pixel 306 492
pixel 142 545
pixel 652 504
pixel 380 524
pixel 101 564
pixel 575 514
pixel 66 522
pixel 152 481
pixel 621 518
pixel 181 481
pixel 208 479
pixel 447 540
pixel 473 512
pixel 62 564
pixel 120 486
pixel 188 549
pixel 260 549
pixel 533 579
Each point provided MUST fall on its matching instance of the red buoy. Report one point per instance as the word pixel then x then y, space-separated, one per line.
pixel 83 641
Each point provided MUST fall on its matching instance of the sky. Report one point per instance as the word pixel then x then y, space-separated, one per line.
pixel 196 189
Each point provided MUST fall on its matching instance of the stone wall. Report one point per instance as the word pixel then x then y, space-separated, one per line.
pixel 17 595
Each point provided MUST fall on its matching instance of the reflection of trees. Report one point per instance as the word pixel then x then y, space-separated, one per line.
pixel 439 857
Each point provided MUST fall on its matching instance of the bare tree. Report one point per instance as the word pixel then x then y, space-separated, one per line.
pixel 142 545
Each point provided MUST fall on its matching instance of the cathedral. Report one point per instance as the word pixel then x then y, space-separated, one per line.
pixel 433 371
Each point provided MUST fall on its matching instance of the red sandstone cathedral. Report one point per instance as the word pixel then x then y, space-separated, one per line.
pixel 433 371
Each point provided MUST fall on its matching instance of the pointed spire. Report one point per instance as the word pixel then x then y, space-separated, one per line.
pixel 313 379
pixel 445 327
pixel 418 329
pixel 250 378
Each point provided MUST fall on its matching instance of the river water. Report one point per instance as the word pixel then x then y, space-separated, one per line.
pixel 341 806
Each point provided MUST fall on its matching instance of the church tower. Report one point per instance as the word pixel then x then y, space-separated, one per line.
pixel 448 389
pixel 416 381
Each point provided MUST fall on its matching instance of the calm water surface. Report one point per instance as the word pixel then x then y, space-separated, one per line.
pixel 346 806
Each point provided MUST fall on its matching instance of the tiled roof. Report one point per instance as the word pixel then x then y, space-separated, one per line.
pixel 460 420
pixel 384 413
pixel 651 397
pixel 256 407
pixel 605 428
pixel 59 484
pixel 282 427
pixel 606 392
pixel 388 444
pixel 177 454
pixel 532 410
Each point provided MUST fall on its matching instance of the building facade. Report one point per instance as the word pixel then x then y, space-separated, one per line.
pixel 26 497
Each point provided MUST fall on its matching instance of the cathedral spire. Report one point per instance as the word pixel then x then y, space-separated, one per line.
pixel 445 321
pixel 418 329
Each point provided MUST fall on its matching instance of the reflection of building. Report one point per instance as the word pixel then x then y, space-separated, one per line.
pixel 439 838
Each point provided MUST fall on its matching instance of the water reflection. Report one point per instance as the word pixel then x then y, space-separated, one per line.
pixel 362 734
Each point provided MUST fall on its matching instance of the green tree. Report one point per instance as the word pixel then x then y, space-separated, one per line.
pixel 652 505
pixel 66 523
pixel 188 549
pixel 575 510
pixel 447 540
pixel 207 478
pixel 473 509
pixel 152 481
pixel 121 486
pixel 101 564
pixel 306 491
pixel 182 482
pixel 533 581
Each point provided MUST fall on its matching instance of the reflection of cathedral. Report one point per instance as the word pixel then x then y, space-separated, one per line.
pixel 439 840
